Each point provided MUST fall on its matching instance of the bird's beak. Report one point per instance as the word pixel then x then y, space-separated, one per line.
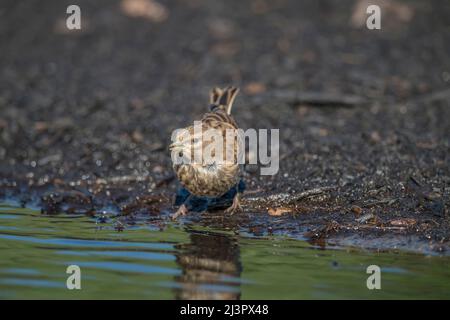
pixel 175 145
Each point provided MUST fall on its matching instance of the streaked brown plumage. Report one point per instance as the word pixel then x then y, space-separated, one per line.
pixel 206 179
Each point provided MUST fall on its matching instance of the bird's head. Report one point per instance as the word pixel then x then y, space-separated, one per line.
pixel 185 143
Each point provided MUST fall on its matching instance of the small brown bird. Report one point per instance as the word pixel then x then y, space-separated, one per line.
pixel 203 178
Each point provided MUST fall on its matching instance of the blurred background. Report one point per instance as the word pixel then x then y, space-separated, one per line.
pixel 358 109
pixel 86 117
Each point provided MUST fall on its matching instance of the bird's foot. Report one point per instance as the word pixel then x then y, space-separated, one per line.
pixel 236 206
pixel 182 211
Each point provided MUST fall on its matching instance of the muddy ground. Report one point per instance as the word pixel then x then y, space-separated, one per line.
pixel 86 115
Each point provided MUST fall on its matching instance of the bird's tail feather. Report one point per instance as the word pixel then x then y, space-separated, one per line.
pixel 223 98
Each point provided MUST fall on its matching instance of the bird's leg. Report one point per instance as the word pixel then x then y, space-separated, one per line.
pixel 236 206
pixel 182 211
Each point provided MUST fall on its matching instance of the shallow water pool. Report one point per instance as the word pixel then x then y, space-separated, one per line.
pixel 186 262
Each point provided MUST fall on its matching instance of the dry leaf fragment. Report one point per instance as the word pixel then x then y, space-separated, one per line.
pixel 137 136
pixel 279 211
pixel 254 88
pixel 148 9
pixel 356 210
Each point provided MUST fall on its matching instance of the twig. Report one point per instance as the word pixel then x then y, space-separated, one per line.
pixel 289 198
pixel 430 97
pixel 311 192
pixel 375 203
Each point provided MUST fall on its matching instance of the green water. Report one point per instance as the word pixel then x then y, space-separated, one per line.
pixel 178 262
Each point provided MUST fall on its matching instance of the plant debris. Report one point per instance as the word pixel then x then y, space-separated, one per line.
pixel 278 211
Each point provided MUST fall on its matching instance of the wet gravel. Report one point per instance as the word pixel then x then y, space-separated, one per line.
pixel 86 115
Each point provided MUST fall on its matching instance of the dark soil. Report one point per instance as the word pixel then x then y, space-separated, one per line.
pixel 86 115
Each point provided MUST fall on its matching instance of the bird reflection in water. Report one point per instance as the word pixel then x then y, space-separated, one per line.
pixel 210 266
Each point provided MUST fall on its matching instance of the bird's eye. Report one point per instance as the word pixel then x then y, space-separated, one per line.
pixel 180 154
